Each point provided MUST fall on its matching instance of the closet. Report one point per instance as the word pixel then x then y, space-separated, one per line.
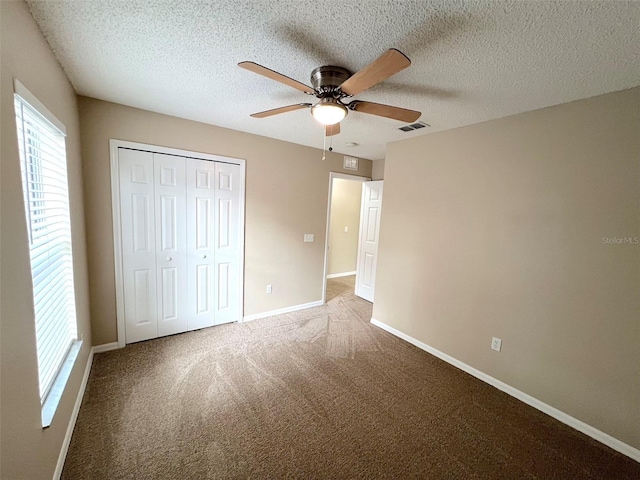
pixel 180 241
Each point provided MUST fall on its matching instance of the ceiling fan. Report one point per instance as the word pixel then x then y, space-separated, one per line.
pixel 333 84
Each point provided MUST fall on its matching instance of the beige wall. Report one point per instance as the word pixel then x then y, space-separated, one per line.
pixel 28 451
pixel 287 190
pixel 377 170
pixel 497 230
pixel 345 212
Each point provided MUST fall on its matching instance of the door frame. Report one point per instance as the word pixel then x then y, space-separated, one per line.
pixel 332 176
pixel 114 144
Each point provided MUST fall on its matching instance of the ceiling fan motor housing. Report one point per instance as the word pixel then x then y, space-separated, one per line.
pixel 326 80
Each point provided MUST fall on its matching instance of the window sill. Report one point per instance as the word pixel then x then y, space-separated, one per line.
pixel 52 401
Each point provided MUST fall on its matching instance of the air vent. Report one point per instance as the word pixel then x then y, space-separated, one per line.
pixel 414 126
pixel 350 163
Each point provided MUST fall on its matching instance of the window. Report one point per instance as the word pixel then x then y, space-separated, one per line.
pixel 46 196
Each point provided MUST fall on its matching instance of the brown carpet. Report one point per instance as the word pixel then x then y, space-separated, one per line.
pixel 320 393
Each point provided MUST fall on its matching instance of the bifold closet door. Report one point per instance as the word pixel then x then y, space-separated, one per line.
pixel 171 243
pixel 153 226
pixel 181 243
pixel 137 219
pixel 200 243
pixel 213 243
pixel 227 243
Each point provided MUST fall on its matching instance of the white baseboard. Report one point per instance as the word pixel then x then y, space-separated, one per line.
pixel 74 417
pixel 338 275
pixel 105 347
pixel 593 432
pixel 280 311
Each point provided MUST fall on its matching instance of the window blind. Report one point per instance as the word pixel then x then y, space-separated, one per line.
pixel 46 197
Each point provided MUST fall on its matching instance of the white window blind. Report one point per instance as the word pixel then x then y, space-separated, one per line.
pixel 46 196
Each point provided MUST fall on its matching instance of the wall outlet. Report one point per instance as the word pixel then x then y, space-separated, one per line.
pixel 308 237
pixel 346 229
pixel 268 288
pixel 496 344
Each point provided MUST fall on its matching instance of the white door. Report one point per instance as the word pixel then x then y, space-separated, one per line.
pixel 138 244
pixel 180 221
pixel 200 243
pixel 171 243
pixel 227 243
pixel 369 233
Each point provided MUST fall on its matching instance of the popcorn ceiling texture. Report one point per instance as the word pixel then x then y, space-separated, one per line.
pixel 472 61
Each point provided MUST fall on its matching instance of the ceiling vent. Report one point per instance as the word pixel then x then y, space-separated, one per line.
pixel 414 126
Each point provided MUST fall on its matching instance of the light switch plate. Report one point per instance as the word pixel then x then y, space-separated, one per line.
pixel 308 237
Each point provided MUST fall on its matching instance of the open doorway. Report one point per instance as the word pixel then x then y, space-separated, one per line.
pixel 343 228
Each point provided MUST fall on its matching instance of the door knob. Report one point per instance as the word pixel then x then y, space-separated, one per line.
pixel 204 256
pixel 169 258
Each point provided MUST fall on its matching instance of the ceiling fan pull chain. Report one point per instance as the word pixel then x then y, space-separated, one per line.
pixel 324 144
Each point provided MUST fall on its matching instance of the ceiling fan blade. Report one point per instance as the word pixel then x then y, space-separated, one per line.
pixel 389 63
pixel 278 77
pixel 276 111
pixel 330 130
pixel 397 113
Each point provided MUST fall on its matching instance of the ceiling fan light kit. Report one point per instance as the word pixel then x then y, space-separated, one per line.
pixel 331 84
pixel 329 111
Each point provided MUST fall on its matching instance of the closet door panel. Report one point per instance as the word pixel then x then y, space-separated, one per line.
pixel 227 241
pixel 200 242
pixel 171 240
pixel 138 244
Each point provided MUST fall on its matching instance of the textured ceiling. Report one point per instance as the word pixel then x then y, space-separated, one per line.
pixel 471 60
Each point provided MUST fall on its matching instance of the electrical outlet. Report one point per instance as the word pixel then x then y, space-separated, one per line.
pixel 346 229
pixel 308 237
pixel 268 288
pixel 496 344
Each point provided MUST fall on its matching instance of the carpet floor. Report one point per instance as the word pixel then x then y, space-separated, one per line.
pixel 319 393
